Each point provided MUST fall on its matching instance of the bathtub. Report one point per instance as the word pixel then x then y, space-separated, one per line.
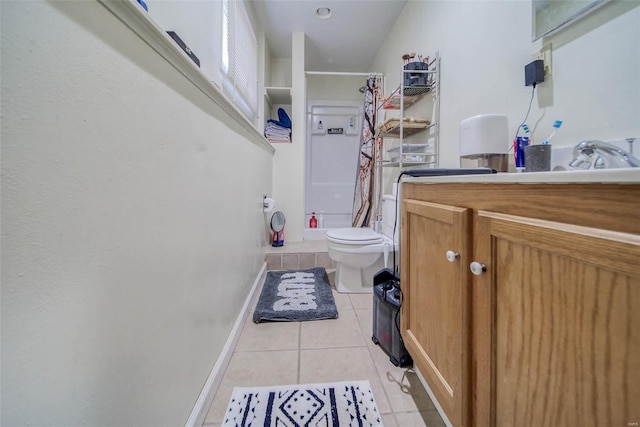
pixel 315 233
pixel 331 221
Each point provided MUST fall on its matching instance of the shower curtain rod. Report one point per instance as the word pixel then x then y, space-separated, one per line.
pixel 338 73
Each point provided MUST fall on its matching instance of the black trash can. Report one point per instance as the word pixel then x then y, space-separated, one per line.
pixel 386 317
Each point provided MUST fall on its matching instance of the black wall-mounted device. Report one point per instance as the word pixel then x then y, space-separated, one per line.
pixel 184 47
pixel 534 72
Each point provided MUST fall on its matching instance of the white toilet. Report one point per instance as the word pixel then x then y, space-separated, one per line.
pixel 361 252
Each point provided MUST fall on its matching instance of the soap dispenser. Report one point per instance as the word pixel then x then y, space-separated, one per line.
pixel 313 222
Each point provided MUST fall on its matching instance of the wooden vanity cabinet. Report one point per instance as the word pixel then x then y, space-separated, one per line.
pixel 435 316
pixel 548 332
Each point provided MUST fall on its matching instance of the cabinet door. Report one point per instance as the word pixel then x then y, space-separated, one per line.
pixel 435 308
pixel 556 324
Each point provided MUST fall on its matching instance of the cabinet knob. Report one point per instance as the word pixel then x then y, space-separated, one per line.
pixel 452 256
pixel 477 268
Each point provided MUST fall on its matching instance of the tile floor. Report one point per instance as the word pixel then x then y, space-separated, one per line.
pixel 320 351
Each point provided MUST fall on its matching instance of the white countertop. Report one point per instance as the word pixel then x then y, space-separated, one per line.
pixel 623 176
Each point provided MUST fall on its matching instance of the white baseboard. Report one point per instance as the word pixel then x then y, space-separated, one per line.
pixel 201 408
pixel 433 397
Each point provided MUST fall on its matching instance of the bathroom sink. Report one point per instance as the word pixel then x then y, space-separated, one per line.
pixel 562 156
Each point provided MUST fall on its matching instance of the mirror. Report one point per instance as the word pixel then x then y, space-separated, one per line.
pixel 277 221
pixel 277 226
pixel 549 16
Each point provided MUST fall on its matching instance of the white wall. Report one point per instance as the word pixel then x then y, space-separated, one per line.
pixel 198 24
pixel 332 87
pixel 280 72
pixel 288 161
pixel 132 227
pixel 484 47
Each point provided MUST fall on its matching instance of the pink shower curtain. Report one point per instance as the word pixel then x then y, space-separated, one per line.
pixel 365 200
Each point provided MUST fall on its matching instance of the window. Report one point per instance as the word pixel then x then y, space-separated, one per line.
pixel 239 57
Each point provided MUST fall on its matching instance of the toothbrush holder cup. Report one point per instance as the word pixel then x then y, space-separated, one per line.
pixel 537 158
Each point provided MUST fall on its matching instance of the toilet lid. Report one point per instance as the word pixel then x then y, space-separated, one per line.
pixel 356 236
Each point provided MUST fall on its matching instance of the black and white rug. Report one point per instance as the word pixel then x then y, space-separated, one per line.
pixel 293 296
pixel 320 405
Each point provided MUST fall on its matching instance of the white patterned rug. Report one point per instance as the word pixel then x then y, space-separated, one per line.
pixel 319 405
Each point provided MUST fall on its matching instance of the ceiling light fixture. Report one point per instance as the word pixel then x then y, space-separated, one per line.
pixel 323 13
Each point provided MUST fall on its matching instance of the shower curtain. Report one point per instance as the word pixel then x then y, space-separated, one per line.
pixel 365 200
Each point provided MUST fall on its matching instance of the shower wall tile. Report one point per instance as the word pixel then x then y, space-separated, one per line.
pixel 299 260
pixel 274 261
pixel 307 260
pixel 290 261
pixel 323 260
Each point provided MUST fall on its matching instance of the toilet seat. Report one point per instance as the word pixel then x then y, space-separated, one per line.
pixel 354 236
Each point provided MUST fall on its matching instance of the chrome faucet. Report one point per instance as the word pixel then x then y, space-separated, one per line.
pixel 601 155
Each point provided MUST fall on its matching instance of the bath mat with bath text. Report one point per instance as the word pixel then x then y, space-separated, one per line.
pixel 296 295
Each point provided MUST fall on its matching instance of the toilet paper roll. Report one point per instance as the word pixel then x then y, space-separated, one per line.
pixel 268 204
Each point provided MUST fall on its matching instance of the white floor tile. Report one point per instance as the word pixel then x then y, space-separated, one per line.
pixel 269 336
pixel 341 332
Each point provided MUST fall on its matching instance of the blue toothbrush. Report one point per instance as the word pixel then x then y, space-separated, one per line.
pixel 556 126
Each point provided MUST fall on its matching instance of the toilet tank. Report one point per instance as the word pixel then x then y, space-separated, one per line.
pixel 389 214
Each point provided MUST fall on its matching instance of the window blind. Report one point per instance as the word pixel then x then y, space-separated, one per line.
pixel 239 57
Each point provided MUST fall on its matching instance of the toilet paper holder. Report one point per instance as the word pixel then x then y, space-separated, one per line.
pixel 267 203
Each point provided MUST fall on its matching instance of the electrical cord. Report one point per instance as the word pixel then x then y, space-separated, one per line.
pixel 395 267
pixel 395 286
pixel 397 322
pixel 523 124
pixel 395 223
pixel 524 121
